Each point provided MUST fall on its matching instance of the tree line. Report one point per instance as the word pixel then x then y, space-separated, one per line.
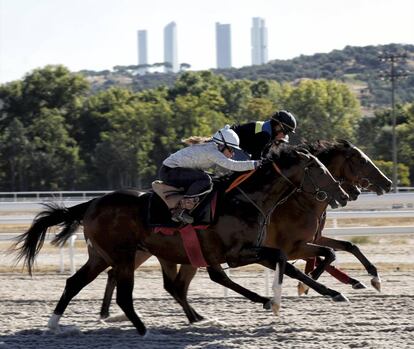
pixel 358 67
pixel 56 133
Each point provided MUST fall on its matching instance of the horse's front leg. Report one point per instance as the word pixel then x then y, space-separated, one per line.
pixel 343 277
pixel 295 273
pixel 218 275
pixel 270 255
pixel 308 250
pixel 348 246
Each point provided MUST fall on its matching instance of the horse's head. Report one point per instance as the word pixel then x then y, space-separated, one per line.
pixel 359 170
pixel 352 190
pixel 308 175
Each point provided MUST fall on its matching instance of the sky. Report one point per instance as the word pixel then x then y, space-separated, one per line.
pixel 100 34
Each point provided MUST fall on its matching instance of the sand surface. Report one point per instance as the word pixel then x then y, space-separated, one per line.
pixel 370 320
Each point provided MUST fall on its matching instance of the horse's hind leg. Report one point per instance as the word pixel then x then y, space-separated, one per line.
pixel 140 257
pixel 109 291
pixel 93 267
pixel 125 284
pixel 176 284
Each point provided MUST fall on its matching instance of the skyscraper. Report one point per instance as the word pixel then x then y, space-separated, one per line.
pixel 142 50
pixel 223 45
pixel 259 41
pixel 170 47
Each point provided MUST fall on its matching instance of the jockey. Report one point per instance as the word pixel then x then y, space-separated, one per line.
pixel 186 168
pixel 256 137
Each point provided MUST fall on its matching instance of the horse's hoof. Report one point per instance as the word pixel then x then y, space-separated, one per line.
pixel 267 305
pixel 145 335
pixel 302 289
pixel 358 286
pixel 340 298
pixel 376 283
pixel 117 318
pixel 197 319
pixel 276 309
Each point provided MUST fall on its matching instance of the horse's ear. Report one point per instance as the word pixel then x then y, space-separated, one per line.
pixel 302 148
pixel 303 155
pixel 345 143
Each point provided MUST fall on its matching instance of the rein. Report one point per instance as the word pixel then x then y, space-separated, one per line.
pixel 319 195
pixel 265 215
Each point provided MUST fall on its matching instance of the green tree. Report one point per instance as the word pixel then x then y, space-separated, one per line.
pixel 325 109
pixel 15 149
pixel 121 157
pixel 54 159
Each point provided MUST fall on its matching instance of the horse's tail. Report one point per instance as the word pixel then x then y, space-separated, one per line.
pixel 29 243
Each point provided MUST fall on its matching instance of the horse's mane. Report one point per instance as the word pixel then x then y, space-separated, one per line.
pixel 285 155
pixel 322 147
pixel 195 140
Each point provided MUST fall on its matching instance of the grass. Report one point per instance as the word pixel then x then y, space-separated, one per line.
pixel 361 240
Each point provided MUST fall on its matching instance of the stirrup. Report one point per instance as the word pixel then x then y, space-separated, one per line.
pixel 181 216
pixel 189 203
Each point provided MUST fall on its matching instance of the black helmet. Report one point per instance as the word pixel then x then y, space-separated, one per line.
pixel 286 118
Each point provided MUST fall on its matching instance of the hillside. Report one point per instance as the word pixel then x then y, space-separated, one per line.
pixel 358 67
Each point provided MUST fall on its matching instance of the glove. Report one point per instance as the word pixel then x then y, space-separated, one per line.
pixel 257 164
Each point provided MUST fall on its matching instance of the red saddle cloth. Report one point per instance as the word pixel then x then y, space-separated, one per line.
pixel 190 240
pixel 189 236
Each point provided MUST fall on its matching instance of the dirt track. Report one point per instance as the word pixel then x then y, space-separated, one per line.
pixel 370 320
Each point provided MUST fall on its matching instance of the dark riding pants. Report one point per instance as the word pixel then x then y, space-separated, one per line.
pixel 195 182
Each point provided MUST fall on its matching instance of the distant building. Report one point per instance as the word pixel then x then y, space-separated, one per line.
pixel 259 41
pixel 170 47
pixel 142 50
pixel 223 45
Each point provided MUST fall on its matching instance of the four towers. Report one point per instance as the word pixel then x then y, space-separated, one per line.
pixel 223 46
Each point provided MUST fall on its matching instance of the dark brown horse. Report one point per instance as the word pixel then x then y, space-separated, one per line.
pixel 355 170
pixel 115 226
pixel 348 164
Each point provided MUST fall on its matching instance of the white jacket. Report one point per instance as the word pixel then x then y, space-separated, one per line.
pixel 204 156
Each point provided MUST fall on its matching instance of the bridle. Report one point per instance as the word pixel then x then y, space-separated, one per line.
pixel 321 194
pixel 361 181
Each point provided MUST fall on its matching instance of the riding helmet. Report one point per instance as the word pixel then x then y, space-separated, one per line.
pixel 227 137
pixel 286 118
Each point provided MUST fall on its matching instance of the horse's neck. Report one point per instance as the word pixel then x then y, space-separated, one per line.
pixel 268 195
pixel 328 160
pixel 305 203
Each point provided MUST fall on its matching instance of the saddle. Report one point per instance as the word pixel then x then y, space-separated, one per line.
pixel 166 197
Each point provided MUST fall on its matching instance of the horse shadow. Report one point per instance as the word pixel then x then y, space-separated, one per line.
pixel 209 336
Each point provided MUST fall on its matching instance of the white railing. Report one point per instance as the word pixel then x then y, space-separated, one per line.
pixel 6 196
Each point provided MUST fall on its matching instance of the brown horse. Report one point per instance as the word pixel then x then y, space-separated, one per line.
pixel 359 172
pixel 115 227
pixel 348 164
